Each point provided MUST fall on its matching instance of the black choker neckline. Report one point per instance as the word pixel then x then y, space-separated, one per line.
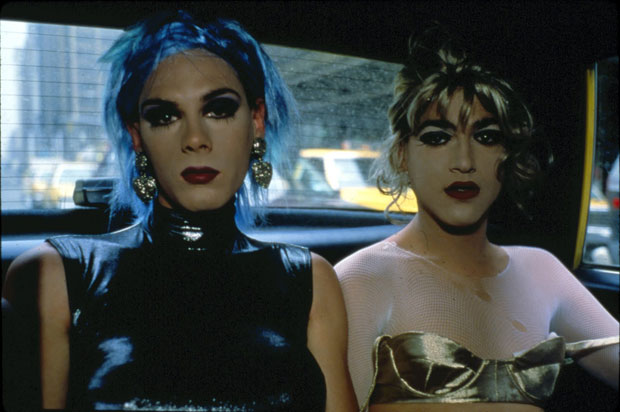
pixel 195 231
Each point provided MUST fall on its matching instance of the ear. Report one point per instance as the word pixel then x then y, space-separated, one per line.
pixel 136 138
pixel 258 118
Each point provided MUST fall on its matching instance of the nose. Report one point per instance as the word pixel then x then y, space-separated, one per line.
pixel 463 156
pixel 196 136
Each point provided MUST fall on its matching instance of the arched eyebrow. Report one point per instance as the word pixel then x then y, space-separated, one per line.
pixel 219 92
pixel 159 103
pixel 172 105
pixel 486 122
pixel 441 123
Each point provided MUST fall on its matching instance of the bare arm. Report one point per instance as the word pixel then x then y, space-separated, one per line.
pixel 327 336
pixel 36 293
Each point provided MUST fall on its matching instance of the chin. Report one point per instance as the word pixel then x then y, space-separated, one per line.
pixel 461 225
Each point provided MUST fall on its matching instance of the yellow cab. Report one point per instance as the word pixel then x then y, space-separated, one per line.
pixel 347 172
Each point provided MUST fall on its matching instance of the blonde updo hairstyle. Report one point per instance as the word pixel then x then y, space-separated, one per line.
pixel 435 69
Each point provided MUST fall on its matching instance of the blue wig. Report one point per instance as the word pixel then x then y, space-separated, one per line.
pixel 137 53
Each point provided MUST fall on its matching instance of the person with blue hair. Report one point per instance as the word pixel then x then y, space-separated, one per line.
pixel 181 310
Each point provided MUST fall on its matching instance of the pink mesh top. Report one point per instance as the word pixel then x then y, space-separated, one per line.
pixel 391 291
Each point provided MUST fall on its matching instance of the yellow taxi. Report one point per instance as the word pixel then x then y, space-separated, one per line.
pixel 347 173
pixel 52 185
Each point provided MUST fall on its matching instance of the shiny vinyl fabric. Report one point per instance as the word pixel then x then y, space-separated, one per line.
pixel 189 315
pixel 419 367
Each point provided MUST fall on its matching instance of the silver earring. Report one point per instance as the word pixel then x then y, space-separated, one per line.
pixel 144 185
pixel 261 170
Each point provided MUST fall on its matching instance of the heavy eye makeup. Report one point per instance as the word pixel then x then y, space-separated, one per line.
pixel 158 112
pixel 486 137
pixel 435 132
pixel 439 132
pixel 435 137
pixel 221 107
pixel 487 132
pixel 489 137
pixel 161 113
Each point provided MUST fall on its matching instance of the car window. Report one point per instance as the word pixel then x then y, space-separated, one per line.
pixel 353 172
pixel 51 114
pixel 600 246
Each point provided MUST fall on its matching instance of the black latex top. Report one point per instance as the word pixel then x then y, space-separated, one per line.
pixel 189 314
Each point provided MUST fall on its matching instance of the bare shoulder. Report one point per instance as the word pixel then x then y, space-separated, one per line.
pixel 42 252
pixel 325 285
pixel 327 336
pixel 36 280
pixel 328 313
pixel 321 267
pixel 36 294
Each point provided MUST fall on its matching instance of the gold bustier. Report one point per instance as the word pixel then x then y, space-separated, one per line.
pixel 420 367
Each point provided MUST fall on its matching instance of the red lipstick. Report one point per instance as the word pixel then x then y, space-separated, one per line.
pixel 462 190
pixel 199 175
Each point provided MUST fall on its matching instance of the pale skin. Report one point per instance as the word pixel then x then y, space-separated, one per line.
pixel 36 285
pixel 462 158
pixel 432 233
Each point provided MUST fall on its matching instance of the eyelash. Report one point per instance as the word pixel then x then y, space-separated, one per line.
pixel 218 108
pixel 160 117
pixel 221 108
pixel 435 138
pixel 484 137
pixel 489 137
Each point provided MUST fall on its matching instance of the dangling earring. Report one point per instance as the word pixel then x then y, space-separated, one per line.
pixel 261 170
pixel 144 185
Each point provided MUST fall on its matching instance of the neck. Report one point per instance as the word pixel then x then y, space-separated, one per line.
pixel 195 231
pixel 463 250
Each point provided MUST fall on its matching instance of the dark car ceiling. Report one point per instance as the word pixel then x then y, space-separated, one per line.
pixel 376 29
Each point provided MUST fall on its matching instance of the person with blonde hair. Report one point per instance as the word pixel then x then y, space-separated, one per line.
pixel 440 318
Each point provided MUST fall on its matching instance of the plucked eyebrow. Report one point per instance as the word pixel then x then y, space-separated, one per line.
pixel 440 123
pixel 167 103
pixel 157 102
pixel 486 122
pixel 219 92
pixel 445 124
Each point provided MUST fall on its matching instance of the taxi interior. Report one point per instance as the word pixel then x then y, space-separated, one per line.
pixel 562 56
